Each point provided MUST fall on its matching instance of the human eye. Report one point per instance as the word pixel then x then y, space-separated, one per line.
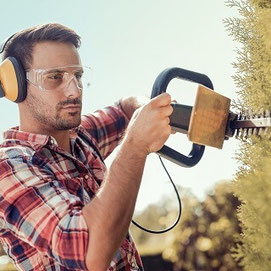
pixel 55 75
pixel 79 75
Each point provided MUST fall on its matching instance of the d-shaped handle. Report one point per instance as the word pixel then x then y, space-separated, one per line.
pixel 160 86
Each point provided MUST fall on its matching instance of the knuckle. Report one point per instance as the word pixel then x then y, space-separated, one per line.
pixel 167 96
pixel 170 110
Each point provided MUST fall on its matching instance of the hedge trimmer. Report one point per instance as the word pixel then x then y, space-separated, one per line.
pixel 209 122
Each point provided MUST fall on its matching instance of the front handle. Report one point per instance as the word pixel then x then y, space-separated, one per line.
pixel 160 86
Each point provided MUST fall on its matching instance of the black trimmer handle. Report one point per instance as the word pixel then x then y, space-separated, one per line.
pixel 160 86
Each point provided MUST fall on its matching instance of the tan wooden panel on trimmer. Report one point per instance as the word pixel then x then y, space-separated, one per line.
pixel 209 118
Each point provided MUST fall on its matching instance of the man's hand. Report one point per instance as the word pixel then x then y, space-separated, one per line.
pixel 149 126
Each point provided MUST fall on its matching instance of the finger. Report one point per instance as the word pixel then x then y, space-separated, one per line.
pixel 166 111
pixel 169 110
pixel 161 100
pixel 166 122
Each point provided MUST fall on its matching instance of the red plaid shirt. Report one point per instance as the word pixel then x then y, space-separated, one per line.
pixel 44 188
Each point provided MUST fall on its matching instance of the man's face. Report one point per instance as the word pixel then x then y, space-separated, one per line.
pixel 55 109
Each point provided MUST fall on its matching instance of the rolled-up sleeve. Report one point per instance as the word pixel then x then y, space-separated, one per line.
pixel 106 126
pixel 41 212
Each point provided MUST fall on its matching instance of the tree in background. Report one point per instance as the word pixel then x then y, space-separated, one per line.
pixel 204 237
pixel 253 79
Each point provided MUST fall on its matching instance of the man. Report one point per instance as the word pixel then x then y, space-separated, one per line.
pixel 60 209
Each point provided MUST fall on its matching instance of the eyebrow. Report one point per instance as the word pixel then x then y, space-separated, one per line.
pixel 53 70
pixel 79 69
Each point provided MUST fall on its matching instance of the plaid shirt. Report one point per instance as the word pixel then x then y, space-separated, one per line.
pixel 44 188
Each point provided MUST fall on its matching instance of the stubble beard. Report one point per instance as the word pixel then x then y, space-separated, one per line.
pixel 65 124
pixel 41 112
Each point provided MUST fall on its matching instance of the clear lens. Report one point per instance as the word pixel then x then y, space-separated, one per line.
pixel 86 77
pixel 54 79
pixel 61 77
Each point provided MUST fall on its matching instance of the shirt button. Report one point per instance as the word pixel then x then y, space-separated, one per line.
pixel 86 177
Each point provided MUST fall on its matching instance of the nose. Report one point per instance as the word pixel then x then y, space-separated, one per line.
pixel 72 87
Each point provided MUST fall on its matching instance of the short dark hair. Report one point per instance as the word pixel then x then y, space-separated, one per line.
pixel 21 44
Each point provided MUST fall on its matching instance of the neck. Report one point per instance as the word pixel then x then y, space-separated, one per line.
pixel 62 137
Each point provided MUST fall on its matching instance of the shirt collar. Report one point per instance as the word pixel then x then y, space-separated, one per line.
pixel 35 140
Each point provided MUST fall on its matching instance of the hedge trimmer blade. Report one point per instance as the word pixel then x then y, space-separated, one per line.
pixel 247 124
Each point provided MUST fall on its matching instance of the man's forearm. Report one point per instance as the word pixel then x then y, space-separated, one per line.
pixel 109 214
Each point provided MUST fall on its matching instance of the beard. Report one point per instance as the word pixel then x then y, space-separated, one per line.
pixel 54 118
pixel 67 124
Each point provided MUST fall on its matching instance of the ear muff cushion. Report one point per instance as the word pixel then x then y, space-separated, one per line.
pixel 13 81
pixel 21 79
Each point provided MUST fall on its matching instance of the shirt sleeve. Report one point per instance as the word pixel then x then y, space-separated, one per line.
pixel 106 127
pixel 38 210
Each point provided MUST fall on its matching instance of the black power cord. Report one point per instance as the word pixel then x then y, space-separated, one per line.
pixel 180 208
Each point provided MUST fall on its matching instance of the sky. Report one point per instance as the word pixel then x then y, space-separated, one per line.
pixel 127 44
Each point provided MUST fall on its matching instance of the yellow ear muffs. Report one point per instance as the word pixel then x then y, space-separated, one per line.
pixel 12 80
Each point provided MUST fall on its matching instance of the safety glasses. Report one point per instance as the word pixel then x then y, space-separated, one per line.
pixel 59 78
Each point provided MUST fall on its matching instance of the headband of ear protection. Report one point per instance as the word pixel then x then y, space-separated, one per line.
pixel 12 78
